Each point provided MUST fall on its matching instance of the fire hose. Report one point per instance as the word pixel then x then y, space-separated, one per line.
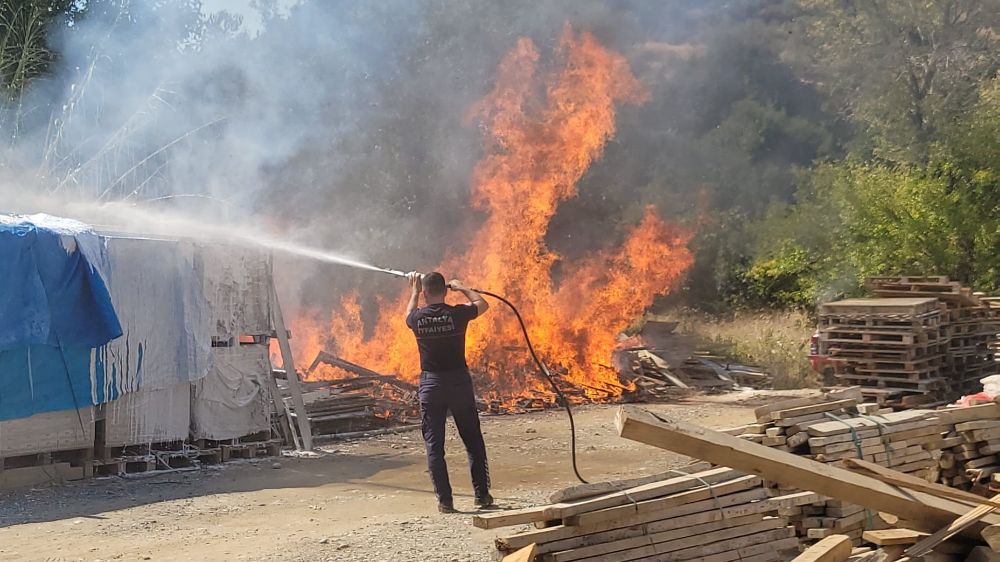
pixel 546 374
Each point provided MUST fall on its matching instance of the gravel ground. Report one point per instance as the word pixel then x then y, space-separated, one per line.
pixel 362 501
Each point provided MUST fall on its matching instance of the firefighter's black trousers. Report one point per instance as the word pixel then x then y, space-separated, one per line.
pixel 441 393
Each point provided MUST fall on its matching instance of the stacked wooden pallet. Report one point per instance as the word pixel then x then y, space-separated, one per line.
pixel 889 346
pixel 969 324
pixel 716 515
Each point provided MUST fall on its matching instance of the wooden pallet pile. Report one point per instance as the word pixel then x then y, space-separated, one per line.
pixel 969 326
pixel 716 515
pixel 889 346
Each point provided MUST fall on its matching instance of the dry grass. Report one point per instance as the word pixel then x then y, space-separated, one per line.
pixel 776 341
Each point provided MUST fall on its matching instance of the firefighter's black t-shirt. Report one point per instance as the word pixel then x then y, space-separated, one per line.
pixel 440 330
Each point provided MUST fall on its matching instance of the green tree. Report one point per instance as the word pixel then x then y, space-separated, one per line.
pixel 900 69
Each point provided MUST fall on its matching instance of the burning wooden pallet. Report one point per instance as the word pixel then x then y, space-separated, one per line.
pixel 362 400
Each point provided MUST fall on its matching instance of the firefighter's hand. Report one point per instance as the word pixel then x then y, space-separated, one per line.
pixel 456 285
pixel 415 285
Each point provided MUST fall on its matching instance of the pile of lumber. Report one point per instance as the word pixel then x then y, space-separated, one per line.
pixel 890 346
pixel 935 522
pixel 835 426
pixel 969 324
pixel 971 447
pixel 783 424
pixel 716 515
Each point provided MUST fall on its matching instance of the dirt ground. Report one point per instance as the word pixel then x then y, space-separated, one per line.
pixel 364 501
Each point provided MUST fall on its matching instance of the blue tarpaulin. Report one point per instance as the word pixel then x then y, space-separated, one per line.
pixel 54 310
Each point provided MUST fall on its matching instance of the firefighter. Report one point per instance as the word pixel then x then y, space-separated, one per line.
pixel 445 384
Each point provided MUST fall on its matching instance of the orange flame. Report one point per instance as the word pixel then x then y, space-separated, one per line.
pixel 541 130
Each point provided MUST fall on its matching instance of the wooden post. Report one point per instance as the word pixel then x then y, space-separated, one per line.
pixel 927 512
pixel 305 432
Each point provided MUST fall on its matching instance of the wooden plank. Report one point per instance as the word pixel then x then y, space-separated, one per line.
pixel 510 517
pixel 873 433
pixel 757 553
pixel 668 552
pixel 642 493
pixel 888 423
pixel 305 431
pixel 965 521
pixel 593 489
pixel 673 506
pixel 662 367
pixel 526 554
pixel 991 534
pixel 677 538
pixel 813 409
pixel 977 424
pixel 897 478
pixel 652 522
pixel 951 416
pixel 926 511
pixel 835 548
pixel 764 412
pixel 889 537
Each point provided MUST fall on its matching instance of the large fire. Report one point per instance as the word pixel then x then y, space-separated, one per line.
pixel 542 128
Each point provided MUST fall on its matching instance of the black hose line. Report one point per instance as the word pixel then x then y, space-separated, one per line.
pixel 548 376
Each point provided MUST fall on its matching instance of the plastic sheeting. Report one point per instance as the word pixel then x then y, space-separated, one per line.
pixel 52 289
pixel 232 400
pixel 236 283
pixel 54 309
pixel 166 320
pixel 149 416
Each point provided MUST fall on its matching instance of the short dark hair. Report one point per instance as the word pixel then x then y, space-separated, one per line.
pixel 434 284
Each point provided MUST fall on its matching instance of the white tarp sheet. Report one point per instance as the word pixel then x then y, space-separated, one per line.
pixel 232 400
pixel 165 318
pixel 236 283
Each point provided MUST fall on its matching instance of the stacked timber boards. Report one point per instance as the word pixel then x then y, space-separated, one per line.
pixel 715 515
pixel 835 426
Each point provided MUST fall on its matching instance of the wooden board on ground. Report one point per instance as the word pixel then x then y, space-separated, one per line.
pixel 925 511
pixel 592 489
pixel 526 554
pixel 764 412
pixel 890 537
pixel 835 548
